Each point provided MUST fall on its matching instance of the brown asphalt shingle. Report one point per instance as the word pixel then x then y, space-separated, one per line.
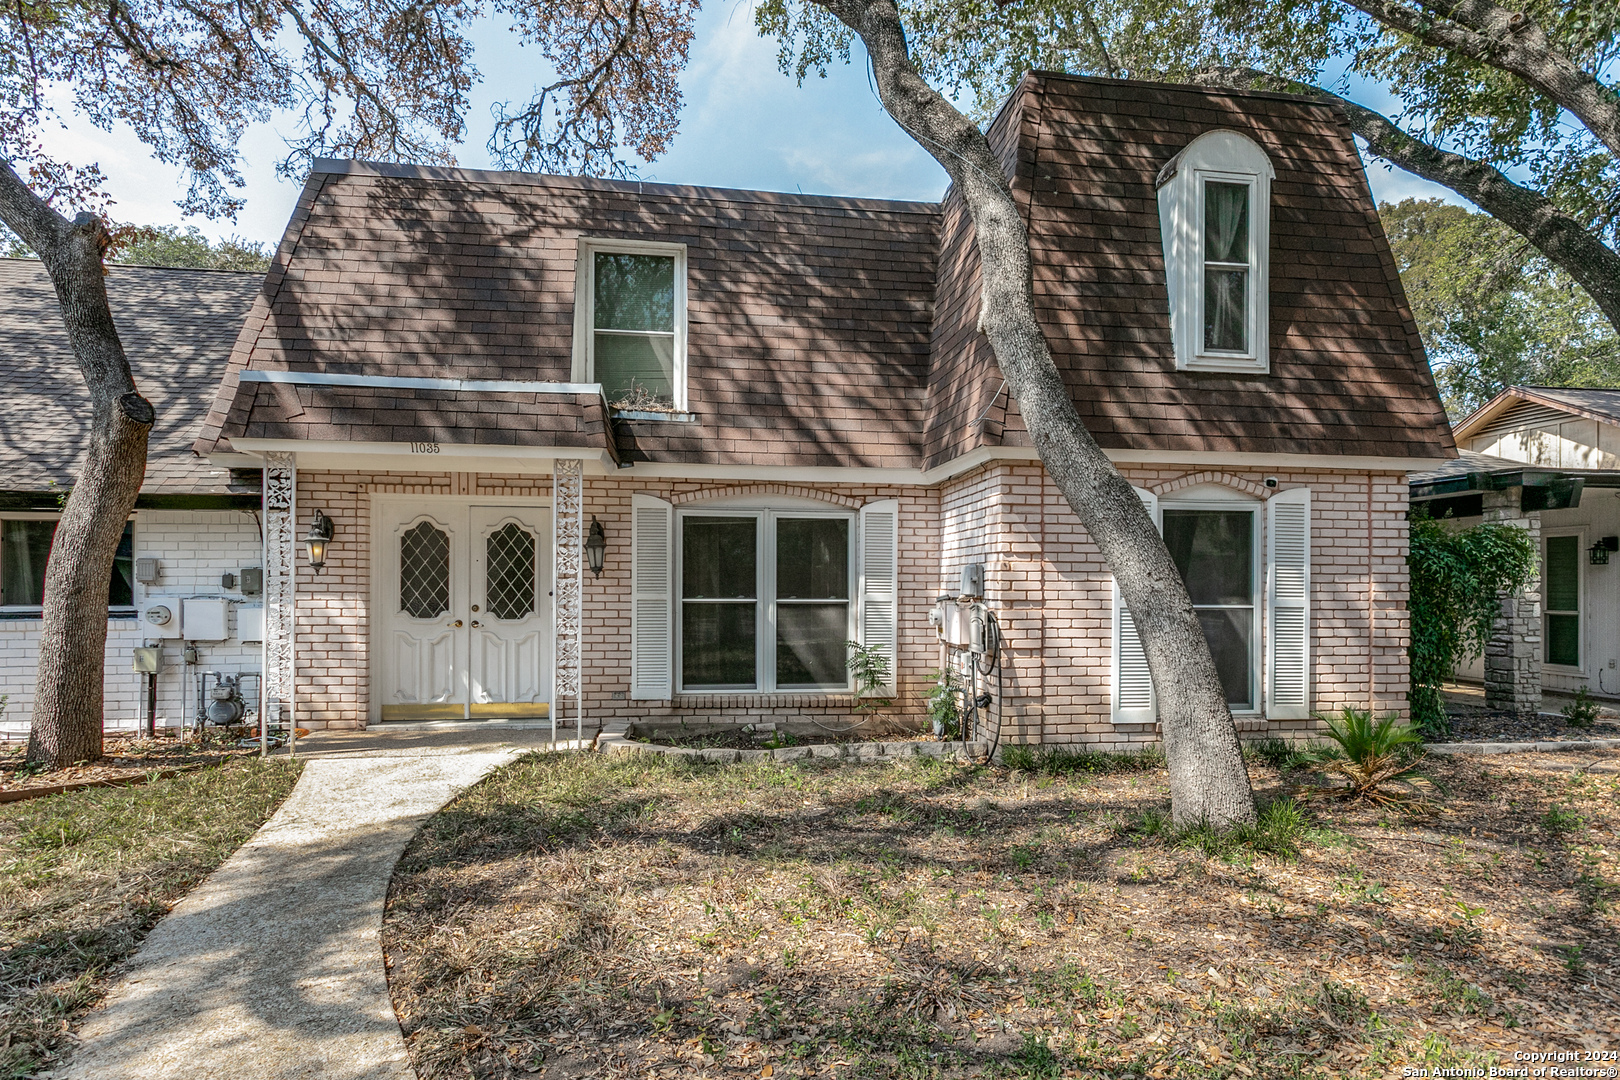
pixel 177 327
pixel 842 332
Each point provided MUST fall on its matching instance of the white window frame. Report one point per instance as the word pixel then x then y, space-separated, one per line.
pixel 584 355
pixel 765 592
pixel 1256 605
pixel 1580 598
pixel 1221 156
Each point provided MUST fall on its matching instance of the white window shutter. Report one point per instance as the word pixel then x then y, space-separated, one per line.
pixel 880 578
pixel 1132 689
pixel 652 626
pixel 1288 605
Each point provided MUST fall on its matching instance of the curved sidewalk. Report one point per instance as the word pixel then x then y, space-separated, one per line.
pixel 272 968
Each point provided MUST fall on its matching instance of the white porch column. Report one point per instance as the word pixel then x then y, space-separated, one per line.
pixel 567 509
pixel 280 550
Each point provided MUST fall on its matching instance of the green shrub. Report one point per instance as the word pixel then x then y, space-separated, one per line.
pixel 1371 752
pixel 1057 760
pixel 945 704
pixel 1457 580
pixel 1582 712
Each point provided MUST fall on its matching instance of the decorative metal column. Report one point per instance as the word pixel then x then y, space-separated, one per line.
pixel 567 533
pixel 280 549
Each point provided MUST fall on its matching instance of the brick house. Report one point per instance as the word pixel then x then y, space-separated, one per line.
pixel 194 520
pixel 780 413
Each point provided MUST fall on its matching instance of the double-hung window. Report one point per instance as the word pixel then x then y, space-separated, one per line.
pixel 630 323
pixel 1214 220
pixel 25 546
pixel 765 600
pixel 1562 574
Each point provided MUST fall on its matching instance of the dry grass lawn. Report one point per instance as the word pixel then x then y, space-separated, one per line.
pixel 643 917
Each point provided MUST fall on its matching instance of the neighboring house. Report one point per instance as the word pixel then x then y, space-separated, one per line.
pixel 782 414
pixel 196 519
pixel 1547 459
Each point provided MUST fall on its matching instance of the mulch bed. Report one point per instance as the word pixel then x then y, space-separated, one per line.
pixel 1474 723
pixel 126 759
pixel 647 917
pixel 739 739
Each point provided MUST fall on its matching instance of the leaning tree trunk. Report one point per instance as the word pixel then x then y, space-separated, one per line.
pixel 67 714
pixel 1208 781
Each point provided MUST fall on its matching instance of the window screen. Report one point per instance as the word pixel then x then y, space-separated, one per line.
pixel 1226 266
pixel 25 546
pixel 1563 611
pixel 633 346
pixel 1214 550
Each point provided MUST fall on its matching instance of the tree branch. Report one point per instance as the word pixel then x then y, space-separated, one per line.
pixel 1509 41
pixel 1565 242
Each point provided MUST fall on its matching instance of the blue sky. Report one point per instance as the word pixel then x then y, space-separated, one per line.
pixel 744 124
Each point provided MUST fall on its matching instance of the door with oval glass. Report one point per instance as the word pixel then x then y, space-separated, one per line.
pixel 510 620
pixel 463 595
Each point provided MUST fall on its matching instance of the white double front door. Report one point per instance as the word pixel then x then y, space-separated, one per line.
pixel 462 598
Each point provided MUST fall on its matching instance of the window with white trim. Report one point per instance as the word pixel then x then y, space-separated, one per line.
pixel 1215 548
pixel 630 323
pixel 1561 571
pixel 1214 221
pixel 765 599
pixel 25 546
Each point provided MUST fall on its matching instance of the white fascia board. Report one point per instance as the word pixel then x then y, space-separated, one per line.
pixel 449 457
pixel 455 457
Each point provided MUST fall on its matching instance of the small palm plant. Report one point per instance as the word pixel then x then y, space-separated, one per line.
pixel 1370 753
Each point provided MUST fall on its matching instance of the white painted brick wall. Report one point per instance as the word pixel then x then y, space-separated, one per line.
pixel 195 548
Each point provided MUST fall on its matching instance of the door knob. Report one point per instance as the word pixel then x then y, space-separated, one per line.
pixel 456 623
pixel 477 623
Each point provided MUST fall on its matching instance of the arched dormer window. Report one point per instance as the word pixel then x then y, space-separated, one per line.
pixel 1215 221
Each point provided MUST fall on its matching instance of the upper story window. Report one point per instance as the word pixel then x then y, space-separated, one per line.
pixel 25 546
pixel 630 323
pixel 1214 218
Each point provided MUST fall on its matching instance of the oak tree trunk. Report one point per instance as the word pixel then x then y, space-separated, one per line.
pixel 1208 780
pixel 67 712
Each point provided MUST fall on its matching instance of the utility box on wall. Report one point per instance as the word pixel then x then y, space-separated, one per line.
pixel 204 619
pixel 250 622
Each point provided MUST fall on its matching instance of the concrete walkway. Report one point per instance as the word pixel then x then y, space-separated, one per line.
pixel 272 968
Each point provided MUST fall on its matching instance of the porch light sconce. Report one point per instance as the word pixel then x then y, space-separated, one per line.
pixel 1598 553
pixel 320 535
pixel 596 547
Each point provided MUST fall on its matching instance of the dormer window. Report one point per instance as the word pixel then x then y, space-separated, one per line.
pixel 630 323
pixel 1214 218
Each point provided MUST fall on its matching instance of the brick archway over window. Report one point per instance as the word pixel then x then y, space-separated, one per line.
pixel 746 490
pixel 1237 483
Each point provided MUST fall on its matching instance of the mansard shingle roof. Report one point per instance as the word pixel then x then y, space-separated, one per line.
pixel 843 332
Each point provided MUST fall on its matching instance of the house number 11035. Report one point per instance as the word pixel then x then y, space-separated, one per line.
pixel 424 448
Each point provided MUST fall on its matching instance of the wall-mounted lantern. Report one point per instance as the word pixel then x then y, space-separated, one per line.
pixel 596 547
pixel 320 535
pixel 1598 553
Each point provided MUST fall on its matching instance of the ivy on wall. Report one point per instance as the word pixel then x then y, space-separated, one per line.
pixel 1459 577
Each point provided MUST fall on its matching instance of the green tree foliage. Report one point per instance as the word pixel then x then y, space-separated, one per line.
pixel 1493 312
pixel 1458 579
pixel 169 245
pixel 189 249
pixel 1468 113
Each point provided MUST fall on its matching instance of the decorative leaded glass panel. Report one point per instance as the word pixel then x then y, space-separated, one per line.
pixel 509 572
pixel 424 572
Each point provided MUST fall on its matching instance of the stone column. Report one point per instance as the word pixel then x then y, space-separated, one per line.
pixel 1513 655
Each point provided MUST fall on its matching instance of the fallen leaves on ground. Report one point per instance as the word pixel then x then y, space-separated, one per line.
pixel 639 917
